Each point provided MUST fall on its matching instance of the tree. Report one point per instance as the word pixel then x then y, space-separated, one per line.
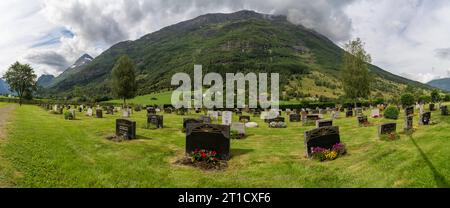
pixel 21 79
pixel 435 96
pixel 407 99
pixel 355 74
pixel 124 79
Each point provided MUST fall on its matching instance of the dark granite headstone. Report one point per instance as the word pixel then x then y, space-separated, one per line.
pixel 323 123
pixel 324 137
pixel 151 111
pixel 362 120
pixel 126 128
pixel 168 110
pixel 110 110
pixel 155 121
pixel 278 119
pixel 191 120
pixel 209 137
pixel 444 110
pixel 99 113
pixel 387 128
pixel 408 123
pixel 432 107
pixel 426 117
pixel 409 111
pixel 349 113
pixel 244 119
pixel 294 118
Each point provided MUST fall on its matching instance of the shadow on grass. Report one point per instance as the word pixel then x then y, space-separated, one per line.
pixel 440 180
pixel 239 152
pixel 140 137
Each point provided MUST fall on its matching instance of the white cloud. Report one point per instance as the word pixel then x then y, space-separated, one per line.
pixel 403 35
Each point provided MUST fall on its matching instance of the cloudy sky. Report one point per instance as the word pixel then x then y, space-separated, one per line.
pixel 410 38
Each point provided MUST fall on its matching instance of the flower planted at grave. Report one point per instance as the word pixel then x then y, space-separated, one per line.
pixel 205 159
pixel 322 154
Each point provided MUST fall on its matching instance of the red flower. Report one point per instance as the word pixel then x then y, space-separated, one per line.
pixel 203 155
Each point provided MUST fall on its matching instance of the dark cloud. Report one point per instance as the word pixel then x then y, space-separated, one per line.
pixel 48 58
pixel 116 20
pixel 443 53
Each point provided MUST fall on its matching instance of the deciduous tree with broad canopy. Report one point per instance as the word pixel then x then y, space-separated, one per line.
pixel 21 79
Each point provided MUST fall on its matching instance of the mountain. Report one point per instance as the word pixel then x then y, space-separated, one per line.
pixel 79 64
pixel 4 87
pixel 309 63
pixel 45 80
pixel 443 84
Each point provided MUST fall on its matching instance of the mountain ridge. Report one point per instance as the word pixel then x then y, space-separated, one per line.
pixel 238 42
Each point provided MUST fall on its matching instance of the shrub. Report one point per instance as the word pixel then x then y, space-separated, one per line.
pixel 391 112
pixel 407 99
pixel 68 116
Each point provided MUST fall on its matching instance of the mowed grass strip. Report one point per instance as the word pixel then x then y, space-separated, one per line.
pixel 44 150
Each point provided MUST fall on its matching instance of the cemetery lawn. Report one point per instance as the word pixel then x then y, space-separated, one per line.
pixel 44 150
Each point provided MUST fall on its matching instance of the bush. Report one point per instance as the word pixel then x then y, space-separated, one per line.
pixel 407 99
pixel 68 116
pixel 391 112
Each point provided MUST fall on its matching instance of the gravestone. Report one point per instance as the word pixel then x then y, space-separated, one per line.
pixel 206 119
pixel 126 128
pixel 375 113
pixel 151 111
pixel 387 128
pixel 359 111
pixel 335 114
pixel 244 119
pixel 80 109
pixel 432 107
pixel 409 111
pixel 323 137
pixel 98 113
pixel 409 123
pixel 110 110
pixel 168 110
pixel 227 117
pixel 264 115
pixel 444 110
pixel 89 112
pixel 125 113
pixel 426 117
pixel 72 113
pixel 323 123
pixel 312 118
pixel 238 127
pixel 294 118
pixel 155 121
pixel 137 108
pixel 187 121
pixel 278 119
pixel 209 137
pixel 349 113
pixel 214 115
pixel 362 120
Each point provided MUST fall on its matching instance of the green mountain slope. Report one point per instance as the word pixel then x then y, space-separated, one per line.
pixel 245 41
pixel 443 84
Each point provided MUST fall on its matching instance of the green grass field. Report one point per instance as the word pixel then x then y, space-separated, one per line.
pixel 150 99
pixel 44 150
